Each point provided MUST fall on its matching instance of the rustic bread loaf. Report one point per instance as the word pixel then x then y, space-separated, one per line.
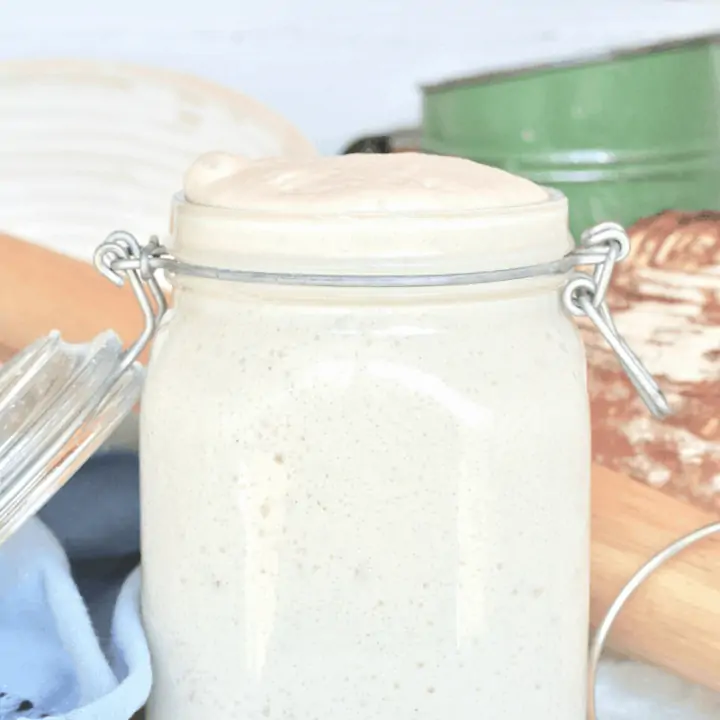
pixel 666 301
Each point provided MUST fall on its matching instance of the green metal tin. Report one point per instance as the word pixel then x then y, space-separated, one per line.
pixel 623 136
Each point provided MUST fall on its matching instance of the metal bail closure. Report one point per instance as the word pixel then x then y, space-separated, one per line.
pixel 584 295
pixel 59 401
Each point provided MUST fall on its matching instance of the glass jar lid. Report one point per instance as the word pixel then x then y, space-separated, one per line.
pixel 59 401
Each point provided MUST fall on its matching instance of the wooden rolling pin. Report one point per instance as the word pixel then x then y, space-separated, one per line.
pixel 673 621
pixel 41 290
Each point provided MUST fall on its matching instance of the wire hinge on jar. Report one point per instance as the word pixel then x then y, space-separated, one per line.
pixel 122 256
pixel 584 294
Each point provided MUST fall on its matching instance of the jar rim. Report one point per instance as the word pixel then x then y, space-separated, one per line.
pixel 553 196
pixel 371 244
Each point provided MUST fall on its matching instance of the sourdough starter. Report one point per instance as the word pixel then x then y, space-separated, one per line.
pixel 366 503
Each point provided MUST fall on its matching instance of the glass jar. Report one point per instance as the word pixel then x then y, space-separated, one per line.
pixel 365 466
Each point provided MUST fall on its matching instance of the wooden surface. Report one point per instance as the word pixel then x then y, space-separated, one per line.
pixel 42 291
pixel 674 620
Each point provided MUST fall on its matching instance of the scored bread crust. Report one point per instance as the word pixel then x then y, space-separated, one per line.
pixel 665 299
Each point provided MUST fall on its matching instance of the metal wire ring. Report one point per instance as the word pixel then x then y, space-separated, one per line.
pixel 579 283
pixel 606 233
pixel 601 634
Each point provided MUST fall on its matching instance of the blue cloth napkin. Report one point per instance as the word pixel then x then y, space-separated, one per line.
pixel 71 641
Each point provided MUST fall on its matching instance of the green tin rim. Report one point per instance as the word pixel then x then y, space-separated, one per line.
pixel 577 166
pixel 591 59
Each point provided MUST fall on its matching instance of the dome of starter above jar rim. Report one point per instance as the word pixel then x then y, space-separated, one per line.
pixel 356 184
pixel 364 214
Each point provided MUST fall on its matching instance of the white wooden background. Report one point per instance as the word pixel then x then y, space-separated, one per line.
pixel 339 68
